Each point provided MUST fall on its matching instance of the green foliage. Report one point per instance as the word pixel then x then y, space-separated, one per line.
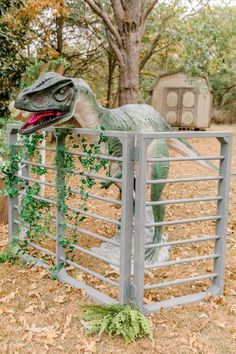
pixel 119 320
pixel 11 252
pixel 9 169
pixel 12 58
pixel 32 71
pixel 206 43
pixel 34 212
pixel 65 165
pixel 3 140
pixel 31 212
pixel 224 86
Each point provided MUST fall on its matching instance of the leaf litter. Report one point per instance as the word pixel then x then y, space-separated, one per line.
pixel 39 315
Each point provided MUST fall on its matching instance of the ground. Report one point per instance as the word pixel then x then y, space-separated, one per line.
pixel 39 315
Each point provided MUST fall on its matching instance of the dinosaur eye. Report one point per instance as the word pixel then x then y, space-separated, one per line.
pixel 61 94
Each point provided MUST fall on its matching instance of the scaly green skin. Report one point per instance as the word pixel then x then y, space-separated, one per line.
pixel 58 93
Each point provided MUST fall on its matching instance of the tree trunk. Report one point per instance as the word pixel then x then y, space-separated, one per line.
pixel 129 75
pixel 129 26
pixel 129 71
pixel 111 69
pixel 59 29
pixel 124 37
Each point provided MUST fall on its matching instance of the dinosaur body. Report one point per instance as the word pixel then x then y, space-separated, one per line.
pixel 54 99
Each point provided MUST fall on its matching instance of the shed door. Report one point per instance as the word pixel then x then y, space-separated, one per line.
pixel 180 106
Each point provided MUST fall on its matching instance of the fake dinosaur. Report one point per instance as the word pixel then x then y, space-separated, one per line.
pixel 54 99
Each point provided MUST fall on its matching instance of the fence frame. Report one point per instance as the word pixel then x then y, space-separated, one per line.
pixel 143 140
pixel 135 159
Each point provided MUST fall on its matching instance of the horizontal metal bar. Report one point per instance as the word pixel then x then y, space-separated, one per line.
pixel 93 293
pixel 93 254
pixel 77 172
pixel 151 135
pixel 95 216
pixel 49 201
pixel 96 156
pixel 180 281
pixel 98 176
pixel 42 249
pixel 182 242
pixel 91 272
pixel 49 218
pixel 173 134
pixel 180 261
pixel 180 201
pixel 38 181
pixel 183 221
pixel 181 180
pixel 46 233
pixel 95 196
pixel 38 147
pixel 91 234
pixel 50 236
pixel 45 217
pixel 93 132
pixel 194 158
pixel 82 231
pixel 39 164
pixel 175 301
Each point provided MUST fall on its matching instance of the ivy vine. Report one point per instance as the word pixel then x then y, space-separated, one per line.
pixel 34 212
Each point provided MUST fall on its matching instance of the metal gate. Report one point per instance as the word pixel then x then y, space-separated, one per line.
pixel 131 276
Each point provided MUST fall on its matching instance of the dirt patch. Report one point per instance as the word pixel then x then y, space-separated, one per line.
pixel 39 315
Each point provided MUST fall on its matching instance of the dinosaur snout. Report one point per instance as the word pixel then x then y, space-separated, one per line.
pixel 21 102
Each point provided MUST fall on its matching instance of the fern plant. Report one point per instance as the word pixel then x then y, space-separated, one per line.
pixel 118 320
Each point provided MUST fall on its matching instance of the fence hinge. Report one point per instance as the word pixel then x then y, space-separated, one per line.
pixel 131 291
pixel 134 154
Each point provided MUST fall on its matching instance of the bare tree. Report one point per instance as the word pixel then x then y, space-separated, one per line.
pixel 125 28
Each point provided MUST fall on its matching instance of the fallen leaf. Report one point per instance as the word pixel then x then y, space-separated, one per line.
pixel 221 324
pixel 31 309
pixel 3 242
pixel 35 294
pixel 6 299
pixel 86 346
pixel 60 299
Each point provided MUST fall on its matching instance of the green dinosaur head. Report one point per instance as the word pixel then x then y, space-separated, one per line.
pixel 51 99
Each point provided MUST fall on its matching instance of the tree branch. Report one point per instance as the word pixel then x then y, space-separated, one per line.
pixel 147 13
pixel 115 48
pixel 150 51
pixel 105 17
pixel 118 13
pixel 153 44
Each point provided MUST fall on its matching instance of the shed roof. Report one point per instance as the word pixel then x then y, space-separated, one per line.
pixel 173 72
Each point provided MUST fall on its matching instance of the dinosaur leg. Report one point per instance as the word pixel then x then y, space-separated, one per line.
pixel 159 171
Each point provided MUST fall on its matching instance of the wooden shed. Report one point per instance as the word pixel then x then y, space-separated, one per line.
pixel 183 102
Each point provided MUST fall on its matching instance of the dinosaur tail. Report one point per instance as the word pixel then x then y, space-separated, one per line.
pixel 184 148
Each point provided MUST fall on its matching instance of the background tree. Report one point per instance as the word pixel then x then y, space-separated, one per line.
pixel 12 56
pixel 120 47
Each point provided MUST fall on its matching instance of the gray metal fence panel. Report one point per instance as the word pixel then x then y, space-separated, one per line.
pixel 132 268
pixel 222 199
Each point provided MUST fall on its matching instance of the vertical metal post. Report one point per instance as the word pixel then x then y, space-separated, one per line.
pixel 60 185
pixel 25 172
pixel 139 221
pixel 222 210
pixel 43 161
pixel 126 219
pixel 12 200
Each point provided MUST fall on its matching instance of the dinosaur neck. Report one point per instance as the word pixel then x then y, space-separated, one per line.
pixel 87 113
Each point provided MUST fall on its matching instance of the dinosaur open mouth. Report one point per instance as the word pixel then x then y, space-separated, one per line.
pixel 38 120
